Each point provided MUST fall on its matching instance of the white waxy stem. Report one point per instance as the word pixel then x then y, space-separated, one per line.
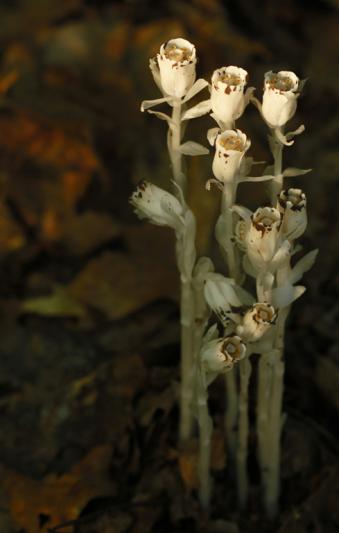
pixel 230 148
pixel 256 322
pixel 292 205
pixel 158 206
pixel 227 94
pixel 280 97
pixel 262 236
pixel 220 355
pixel 176 65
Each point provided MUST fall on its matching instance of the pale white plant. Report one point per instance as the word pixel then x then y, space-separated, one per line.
pixel 217 356
pixel 174 72
pixel 259 244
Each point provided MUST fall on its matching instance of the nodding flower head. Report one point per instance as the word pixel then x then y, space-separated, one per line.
pixel 256 322
pixel 227 94
pixel 220 295
pixel 158 206
pixel 262 236
pixel 175 68
pixel 220 355
pixel 292 205
pixel 280 97
pixel 230 148
pixel 233 348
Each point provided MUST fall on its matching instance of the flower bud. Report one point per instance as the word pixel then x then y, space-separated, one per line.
pixel 227 94
pixel 220 355
pixel 220 295
pixel 176 62
pixel 230 148
pixel 256 322
pixel 157 205
pixel 262 236
pixel 280 97
pixel 292 204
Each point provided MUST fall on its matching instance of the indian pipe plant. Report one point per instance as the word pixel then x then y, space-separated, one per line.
pixel 259 244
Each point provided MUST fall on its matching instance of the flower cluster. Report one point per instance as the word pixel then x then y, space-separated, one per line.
pixel 260 244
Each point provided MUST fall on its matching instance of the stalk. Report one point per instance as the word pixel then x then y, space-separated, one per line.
pixel 271 385
pixel 187 295
pixel 227 201
pixel 242 445
pixel 225 240
pixel 205 432
pixel 277 182
pixel 231 413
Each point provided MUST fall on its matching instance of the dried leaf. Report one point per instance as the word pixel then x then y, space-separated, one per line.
pixel 59 303
pixel 58 498
pixel 117 284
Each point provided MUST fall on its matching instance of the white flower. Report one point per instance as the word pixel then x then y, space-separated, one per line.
pixel 280 97
pixel 230 148
pixel 220 295
pixel 175 69
pixel 157 205
pixel 234 348
pixel 227 94
pixel 256 322
pixel 292 204
pixel 220 355
pixel 262 236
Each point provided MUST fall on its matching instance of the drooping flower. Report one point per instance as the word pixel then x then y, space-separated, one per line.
pixel 230 149
pixel 256 322
pixel 233 348
pixel 220 355
pixel 158 206
pixel 220 295
pixel 174 69
pixel 280 97
pixel 228 100
pixel 292 204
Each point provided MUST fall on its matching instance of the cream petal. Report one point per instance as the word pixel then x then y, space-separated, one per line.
pixel 177 60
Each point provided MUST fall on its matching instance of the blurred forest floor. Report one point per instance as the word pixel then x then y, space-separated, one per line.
pixel 88 295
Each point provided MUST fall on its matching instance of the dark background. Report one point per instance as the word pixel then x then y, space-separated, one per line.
pixel 88 295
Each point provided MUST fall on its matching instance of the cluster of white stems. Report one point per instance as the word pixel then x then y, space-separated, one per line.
pixel 259 245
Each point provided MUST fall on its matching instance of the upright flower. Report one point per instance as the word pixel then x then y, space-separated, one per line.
pixel 292 204
pixel 280 97
pixel 262 236
pixel 174 70
pixel 256 322
pixel 157 205
pixel 228 100
pixel 230 149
